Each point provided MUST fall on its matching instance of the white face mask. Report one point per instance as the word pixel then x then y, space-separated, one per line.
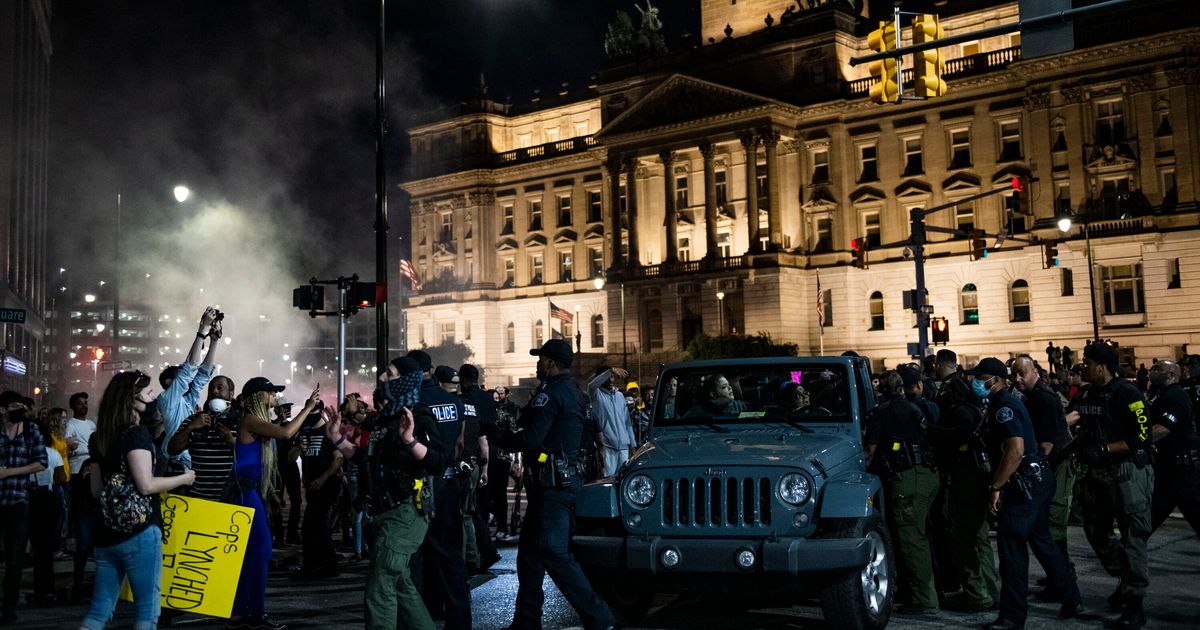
pixel 218 405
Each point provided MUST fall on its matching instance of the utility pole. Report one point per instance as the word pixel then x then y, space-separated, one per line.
pixel 381 221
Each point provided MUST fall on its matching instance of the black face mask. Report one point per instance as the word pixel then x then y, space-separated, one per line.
pixel 149 417
pixel 16 416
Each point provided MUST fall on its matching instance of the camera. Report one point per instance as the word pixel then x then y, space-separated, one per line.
pixel 219 316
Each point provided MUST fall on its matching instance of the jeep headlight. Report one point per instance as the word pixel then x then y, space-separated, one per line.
pixel 640 491
pixel 794 489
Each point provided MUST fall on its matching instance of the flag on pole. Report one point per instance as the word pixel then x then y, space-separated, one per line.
pixel 820 302
pixel 407 271
pixel 560 313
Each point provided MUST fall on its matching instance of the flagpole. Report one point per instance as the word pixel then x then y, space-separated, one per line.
pixel 820 314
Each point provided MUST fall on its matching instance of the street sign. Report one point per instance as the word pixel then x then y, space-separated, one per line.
pixel 927 309
pixel 113 366
pixel 12 315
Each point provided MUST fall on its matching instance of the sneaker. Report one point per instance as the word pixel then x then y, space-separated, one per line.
pixel 266 623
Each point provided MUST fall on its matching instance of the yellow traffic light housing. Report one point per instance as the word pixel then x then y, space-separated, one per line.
pixel 1018 199
pixel 860 246
pixel 978 245
pixel 884 88
pixel 1050 253
pixel 929 64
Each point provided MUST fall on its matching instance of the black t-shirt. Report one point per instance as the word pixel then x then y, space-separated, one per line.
pixel 134 438
pixel 1172 408
pixel 316 452
pixel 1046 413
pixel 896 419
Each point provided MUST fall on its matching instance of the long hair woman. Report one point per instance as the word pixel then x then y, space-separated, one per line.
pixel 121 445
pixel 255 468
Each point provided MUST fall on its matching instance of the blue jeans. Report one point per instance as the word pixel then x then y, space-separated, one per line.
pixel 140 558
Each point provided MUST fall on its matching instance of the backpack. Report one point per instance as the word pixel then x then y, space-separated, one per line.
pixel 125 510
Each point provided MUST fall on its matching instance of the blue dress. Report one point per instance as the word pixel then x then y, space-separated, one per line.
pixel 251 599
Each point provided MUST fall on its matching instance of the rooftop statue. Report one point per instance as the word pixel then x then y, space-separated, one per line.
pixel 623 39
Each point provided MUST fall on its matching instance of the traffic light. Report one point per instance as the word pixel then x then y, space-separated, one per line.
pixel 1050 253
pixel 884 88
pixel 1018 199
pixel 98 353
pixel 364 294
pixel 859 245
pixel 978 245
pixel 309 297
pixel 929 63
pixel 941 330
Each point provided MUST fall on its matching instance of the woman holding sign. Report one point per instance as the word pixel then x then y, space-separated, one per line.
pixel 255 469
pixel 128 538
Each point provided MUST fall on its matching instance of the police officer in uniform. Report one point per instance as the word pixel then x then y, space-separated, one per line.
pixel 895 443
pixel 550 430
pixel 474 518
pixel 1177 470
pixel 404 454
pixel 439 570
pixel 1020 490
pixel 966 473
pixel 1114 441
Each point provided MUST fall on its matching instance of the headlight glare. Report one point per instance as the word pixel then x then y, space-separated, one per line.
pixel 794 489
pixel 640 490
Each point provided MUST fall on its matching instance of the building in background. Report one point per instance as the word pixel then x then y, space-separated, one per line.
pixel 709 187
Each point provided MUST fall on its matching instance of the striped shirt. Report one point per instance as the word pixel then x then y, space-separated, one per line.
pixel 212 459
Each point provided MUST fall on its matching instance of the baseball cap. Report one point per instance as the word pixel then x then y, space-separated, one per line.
pixel 260 384
pixel 9 398
pixel 422 358
pixel 556 349
pixel 991 366
pixel 280 401
pixel 445 374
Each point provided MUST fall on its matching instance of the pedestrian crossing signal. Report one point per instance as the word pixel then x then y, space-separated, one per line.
pixel 941 330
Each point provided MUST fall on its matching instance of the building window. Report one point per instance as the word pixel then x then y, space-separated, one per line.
pixel 1014 40
pixel 722 190
pixel 1163 128
pixel 820 167
pixel 597 331
pixel 510 273
pixel 867 171
pixel 827 301
pixel 877 311
pixel 1176 281
pixel 964 216
pixel 524 139
pixel 446 234
pixel 970 305
pixel 761 186
pixel 960 148
pixel 824 234
pixel 1110 122
pixel 1170 194
pixel 539 335
pixel 871 229
pixel 624 199
pixel 535 269
pixel 970 48
pixel 596 261
pixel 1122 287
pixel 1018 295
pixel 446 333
pixel 724 244
pixel 466 329
pixel 1062 197
pixel 1010 141
pixel 552 134
pixel 581 128
pixel 914 164
pixel 535 214
pixel 685 248
pixel 681 192
pixel 564 210
pixel 654 330
pixel 1067 278
pixel 565 262
pixel 595 206
pixel 507 228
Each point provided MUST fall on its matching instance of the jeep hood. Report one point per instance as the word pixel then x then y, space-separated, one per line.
pixel 746 449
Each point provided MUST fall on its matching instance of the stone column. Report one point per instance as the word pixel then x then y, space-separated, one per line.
pixel 750 145
pixel 613 167
pixel 631 164
pixel 707 151
pixel 670 219
pixel 770 140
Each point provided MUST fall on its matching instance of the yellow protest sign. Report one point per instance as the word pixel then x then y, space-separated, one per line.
pixel 203 546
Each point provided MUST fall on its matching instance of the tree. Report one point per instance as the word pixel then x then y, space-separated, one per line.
pixel 739 346
pixel 451 353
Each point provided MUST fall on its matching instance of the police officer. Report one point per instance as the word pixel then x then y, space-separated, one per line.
pixel 1020 490
pixel 551 428
pixel 480 403
pixel 966 473
pixel 914 391
pixel 404 454
pixel 1115 436
pixel 1177 470
pixel 439 570
pixel 1050 430
pixel 895 443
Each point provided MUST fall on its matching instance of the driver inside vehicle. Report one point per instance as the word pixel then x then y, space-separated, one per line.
pixel 716 398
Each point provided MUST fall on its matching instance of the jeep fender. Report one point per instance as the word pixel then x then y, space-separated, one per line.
pixel 851 495
pixel 598 500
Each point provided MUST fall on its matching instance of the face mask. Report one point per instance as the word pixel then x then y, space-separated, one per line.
pixel 394 391
pixel 147 418
pixel 979 388
pixel 218 405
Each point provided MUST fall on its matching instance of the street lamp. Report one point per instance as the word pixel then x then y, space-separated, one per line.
pixel 89 298
pixel 1065 222
pixel 182 193
pixel 720 312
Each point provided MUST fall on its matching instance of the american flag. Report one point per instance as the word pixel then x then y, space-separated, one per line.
pixel 407 271
pixel 560 313
pixel 820 303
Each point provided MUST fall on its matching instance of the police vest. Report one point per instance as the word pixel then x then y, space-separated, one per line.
pixel 390 478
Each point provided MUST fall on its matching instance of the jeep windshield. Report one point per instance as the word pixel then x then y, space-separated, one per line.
pixel 796 394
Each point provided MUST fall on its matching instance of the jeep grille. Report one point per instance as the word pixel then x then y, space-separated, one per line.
pixel 721 502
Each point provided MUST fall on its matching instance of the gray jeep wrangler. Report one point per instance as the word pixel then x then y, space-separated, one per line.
pixel 752 483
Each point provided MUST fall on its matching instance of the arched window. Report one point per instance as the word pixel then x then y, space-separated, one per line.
pixel 970 305
pixel 510 337
pixel 1018 296
pixel 597 332
pixel 876 311
pixel 538 336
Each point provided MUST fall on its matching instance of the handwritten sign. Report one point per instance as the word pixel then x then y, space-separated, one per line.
pixel 204 543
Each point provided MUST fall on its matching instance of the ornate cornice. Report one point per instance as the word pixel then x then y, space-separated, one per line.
pixel 1183 76
pixel 1134 48
pixel 1037 98
pixel 1142 82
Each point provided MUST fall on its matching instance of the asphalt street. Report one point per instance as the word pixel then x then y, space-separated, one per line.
pixel 1172 602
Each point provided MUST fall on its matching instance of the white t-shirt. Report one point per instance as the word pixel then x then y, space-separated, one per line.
pixel 45 478
pixel 82 431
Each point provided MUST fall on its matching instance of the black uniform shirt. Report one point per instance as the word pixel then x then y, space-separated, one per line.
pixel 1046 413
pixel 484 407
pixel 1129 414
pixel 896 419
pixel 447 411
pixel 1172 409
pixel 1006 419
pixel 552 422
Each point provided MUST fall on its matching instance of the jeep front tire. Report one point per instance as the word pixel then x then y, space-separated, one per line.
pixel 862 600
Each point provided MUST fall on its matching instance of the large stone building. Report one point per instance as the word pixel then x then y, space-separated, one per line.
pixel 716 188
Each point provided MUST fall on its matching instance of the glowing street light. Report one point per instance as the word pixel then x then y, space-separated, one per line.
pixel 89 298
pixel 99 328
pixel 182 193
